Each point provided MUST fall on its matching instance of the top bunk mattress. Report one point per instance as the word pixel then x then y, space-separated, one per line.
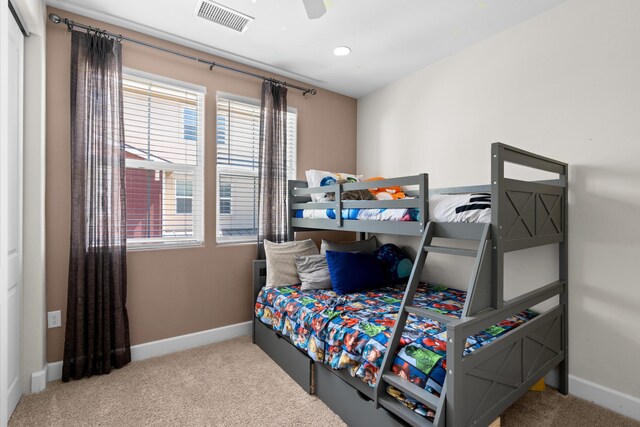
pixel 471 207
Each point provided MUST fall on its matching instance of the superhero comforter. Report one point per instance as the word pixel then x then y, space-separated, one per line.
pixel 351 331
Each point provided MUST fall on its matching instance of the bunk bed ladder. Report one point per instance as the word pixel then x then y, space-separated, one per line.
pixel 480 277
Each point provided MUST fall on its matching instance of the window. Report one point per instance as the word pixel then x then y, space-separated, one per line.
pixel 184 196
pixel 190 124
pixel 224 197
pixel 237 139
pixel 164 133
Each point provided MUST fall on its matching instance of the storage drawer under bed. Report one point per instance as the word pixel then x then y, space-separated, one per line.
pixel 295 363
pixel 352 405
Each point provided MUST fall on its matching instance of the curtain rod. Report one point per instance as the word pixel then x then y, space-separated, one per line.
pixel 56 19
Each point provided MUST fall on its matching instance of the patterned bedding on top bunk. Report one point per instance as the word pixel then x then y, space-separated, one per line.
pixel 475 207
pixel 410 214
pixel 351 331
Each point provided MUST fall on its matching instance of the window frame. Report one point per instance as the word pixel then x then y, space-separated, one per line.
pixel 197 239
pixel 236 170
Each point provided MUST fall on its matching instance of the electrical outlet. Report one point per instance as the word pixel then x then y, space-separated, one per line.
pixel 54 319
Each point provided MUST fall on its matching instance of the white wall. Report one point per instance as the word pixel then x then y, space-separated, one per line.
pixel 33 12
pixel 565 84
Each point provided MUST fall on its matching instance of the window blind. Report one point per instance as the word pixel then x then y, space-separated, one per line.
pixel 163 124
pixel 237 142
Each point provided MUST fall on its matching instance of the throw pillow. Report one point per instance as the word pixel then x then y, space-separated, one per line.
pixel 355 272
pixel 316 178
pixel 313 271
pixel 396 262
pixel 281 263
pixel 367 246
pixel 350 194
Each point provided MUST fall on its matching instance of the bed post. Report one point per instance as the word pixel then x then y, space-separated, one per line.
pixel 497 248
pixel 290 232
pixel 259 279
pixel 455 406
pixel 563 386
pixel 424 200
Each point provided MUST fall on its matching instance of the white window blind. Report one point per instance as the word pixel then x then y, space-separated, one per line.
pixel 164 134
pixel 237 139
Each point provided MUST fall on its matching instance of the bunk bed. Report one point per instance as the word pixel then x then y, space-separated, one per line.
pixel 480 385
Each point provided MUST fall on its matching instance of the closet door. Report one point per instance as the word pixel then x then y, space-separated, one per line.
pixel 11 221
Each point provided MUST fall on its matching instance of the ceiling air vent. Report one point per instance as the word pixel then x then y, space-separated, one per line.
pixel 227 17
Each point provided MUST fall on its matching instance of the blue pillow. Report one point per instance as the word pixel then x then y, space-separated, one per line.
pixel 396 262
pixel 355 272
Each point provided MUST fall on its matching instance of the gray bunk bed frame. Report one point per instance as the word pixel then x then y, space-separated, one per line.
pixel 481 385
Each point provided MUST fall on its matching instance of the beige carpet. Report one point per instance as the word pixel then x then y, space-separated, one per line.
pixel 233 383
pixel 551 409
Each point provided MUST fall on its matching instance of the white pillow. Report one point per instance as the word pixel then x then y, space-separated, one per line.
pixel 281 262
pixel 316 178
pixel 474 207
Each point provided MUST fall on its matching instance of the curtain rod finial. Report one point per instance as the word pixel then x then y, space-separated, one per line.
pixel 54 18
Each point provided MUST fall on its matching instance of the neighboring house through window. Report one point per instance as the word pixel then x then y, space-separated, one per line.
pixel 224 197
pixel 237 142
pixel 184 196
pixel 163 124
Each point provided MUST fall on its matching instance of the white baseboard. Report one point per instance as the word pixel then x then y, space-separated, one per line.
pixel 54 371
pixel 170 345
pixel 606 397
pixel 609 398
pixel 184 342
pixel 39 380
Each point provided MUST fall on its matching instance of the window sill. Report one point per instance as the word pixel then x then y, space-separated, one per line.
pixel 226 244
pixel 139 247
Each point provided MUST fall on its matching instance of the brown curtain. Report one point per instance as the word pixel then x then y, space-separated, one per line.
pixel 272 181
pixel 97 328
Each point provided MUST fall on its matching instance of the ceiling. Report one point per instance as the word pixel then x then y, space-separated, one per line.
pixel 389 38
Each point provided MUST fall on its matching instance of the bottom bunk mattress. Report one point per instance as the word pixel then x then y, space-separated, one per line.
pixel 352 331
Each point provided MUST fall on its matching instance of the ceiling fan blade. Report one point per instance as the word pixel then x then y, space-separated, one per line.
pixel 315 8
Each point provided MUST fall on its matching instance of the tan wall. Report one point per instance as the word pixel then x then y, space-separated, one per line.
pixel 179 291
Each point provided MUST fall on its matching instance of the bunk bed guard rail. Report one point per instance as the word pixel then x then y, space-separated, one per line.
pixel 300 199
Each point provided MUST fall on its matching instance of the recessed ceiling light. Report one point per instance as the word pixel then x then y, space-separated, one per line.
pixel 342 51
